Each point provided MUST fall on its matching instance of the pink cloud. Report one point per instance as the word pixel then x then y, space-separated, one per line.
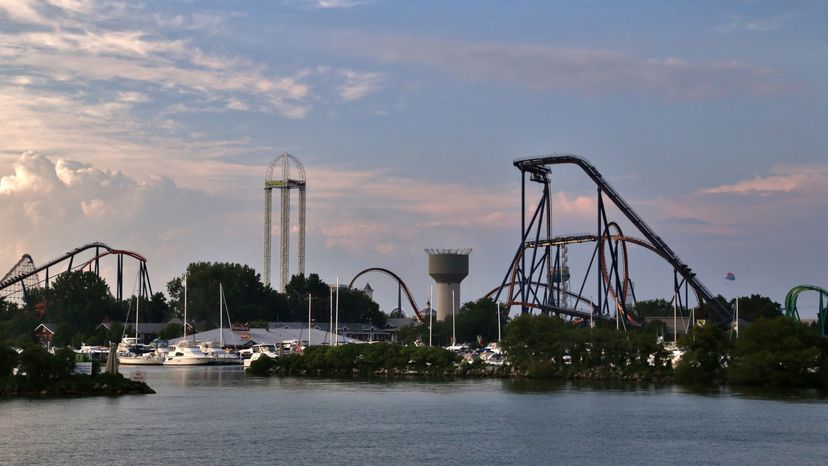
pixel 771 184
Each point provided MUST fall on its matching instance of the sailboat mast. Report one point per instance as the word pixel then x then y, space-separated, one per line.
pixel 453 321
pixel 221 316
pixel 336 322
pixel 310 298
pixel 185 304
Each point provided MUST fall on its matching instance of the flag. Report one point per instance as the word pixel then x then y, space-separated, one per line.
pixel 730 276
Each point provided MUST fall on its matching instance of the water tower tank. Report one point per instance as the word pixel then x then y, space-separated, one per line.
pixel 448 267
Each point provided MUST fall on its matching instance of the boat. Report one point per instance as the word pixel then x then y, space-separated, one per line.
pixel 219 355
pixel 257 351
pixel 131 351
pixel 187 353
pixel 216 349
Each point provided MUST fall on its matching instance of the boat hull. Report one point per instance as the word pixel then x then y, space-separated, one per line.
pixel 188 362
pixel 130 361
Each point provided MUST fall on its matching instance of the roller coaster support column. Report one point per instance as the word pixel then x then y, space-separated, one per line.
pixel 524 233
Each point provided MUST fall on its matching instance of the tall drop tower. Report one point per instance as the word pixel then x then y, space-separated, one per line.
pixel 448 267
pixel 284 173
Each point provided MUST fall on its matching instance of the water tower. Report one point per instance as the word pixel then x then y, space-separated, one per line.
pixel 284 173
pixel 448 267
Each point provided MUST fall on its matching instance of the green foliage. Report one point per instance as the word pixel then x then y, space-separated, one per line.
pixel 779 352
pixel 246 296
pixel 653 308
pixel 8 361
pixel 756 306
pixel 261 366
pixel 364 359
pixel 543 347
pixel 706 353
pixel 474 319
pixel 78 301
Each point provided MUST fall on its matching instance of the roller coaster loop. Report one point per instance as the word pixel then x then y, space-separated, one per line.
pixel 792 312
pixel 399 281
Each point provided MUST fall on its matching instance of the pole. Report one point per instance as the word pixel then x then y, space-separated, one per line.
pixel 185 305
pixel 499 316
pixel 310 297
pixel 330 327
pixel 221 317
pixel 336 322
pixel 430 311
pixel 675 324
pixel 737 317
pixel 453 321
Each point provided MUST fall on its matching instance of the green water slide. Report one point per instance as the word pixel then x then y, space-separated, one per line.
pixel 793 296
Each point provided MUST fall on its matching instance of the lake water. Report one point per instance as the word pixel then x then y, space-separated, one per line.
pixel 219 416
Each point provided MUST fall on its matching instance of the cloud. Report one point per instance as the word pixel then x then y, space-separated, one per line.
pixel 743 23
pixel 800 179
pixel 582 70
pixel 336 4
pixel 413 212
pixel 357 85
pixel 49 207
pixel 89 49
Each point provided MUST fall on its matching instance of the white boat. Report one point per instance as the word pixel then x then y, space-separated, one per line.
pixel 219 356
pixel 131 351
pixel 216 349
pixel 93 353
pixel 187 353
pixel 257 351
pixel 146 359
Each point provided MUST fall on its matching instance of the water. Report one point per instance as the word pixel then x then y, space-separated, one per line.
pixel 220 416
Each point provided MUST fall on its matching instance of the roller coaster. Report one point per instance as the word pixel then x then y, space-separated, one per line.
pixel 792 312
pixel 534 281
pixel 400 282
pixel 24 276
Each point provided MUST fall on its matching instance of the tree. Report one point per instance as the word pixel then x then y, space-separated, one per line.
pixel 78 301
pixel 653 308
pixel 779 352
pixel 8 361
pixel 246 296
pixel 706 352
pixel 756 306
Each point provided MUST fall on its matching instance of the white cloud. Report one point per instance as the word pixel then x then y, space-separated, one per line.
pixel 357 85
pixel 49 207
pixel 582 70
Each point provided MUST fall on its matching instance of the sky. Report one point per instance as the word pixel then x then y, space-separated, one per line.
pixel 149 126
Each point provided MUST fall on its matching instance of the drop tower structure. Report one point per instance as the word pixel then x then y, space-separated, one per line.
pixel 284 173
pixel 448 267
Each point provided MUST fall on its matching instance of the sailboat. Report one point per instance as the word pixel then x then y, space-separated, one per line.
pixel 132 352
pixel 186 352
pixel 215 350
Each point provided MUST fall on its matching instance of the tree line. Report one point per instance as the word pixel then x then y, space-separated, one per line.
pixel 78 301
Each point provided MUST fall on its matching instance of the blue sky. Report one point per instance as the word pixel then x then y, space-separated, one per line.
pixel 149 125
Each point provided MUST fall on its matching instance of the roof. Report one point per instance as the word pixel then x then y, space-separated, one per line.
pixel 266 336
pixel 367 287
pixel 399 322
pixel 49 327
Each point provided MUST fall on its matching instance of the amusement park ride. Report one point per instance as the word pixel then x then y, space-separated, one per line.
pixel 537 278
pixel 25 276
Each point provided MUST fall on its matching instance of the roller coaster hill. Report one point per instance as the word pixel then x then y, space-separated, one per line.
pixel 537 279
pixel 25 276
